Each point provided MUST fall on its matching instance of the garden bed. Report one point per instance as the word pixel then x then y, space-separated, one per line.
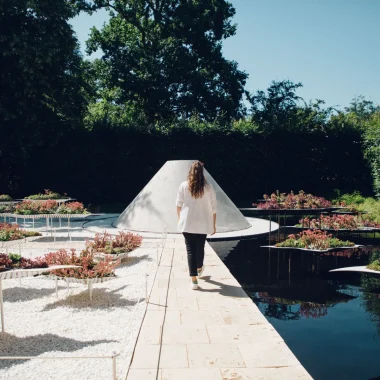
pixel 11 232
pixel 291 201
pixel 311 249
pixel 29 207
pixel 105 245
pixel 47 195
pixel 314 240
pixel 338 223
pixel 39 324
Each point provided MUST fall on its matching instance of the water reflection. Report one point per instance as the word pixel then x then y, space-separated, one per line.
pixel 319 314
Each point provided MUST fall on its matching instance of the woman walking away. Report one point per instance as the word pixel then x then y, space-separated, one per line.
pixel 196 209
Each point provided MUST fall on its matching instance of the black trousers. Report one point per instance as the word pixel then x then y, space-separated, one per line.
pixel 195 246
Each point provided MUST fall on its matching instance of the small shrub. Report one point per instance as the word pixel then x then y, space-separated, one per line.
pixel 5 198
pixel 374 261
pixel 72 208
pixel 6 208
pixel 48 194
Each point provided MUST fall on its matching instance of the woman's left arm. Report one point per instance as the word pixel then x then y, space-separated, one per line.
pixel 179 201
pixel 179 211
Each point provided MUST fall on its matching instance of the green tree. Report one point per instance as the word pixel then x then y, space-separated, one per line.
pixel 372 148
pixel 42 92
pixel 163 58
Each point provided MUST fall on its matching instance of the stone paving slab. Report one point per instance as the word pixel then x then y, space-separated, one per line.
pixel 214 333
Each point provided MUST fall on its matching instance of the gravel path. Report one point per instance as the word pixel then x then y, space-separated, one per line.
pixel 37 323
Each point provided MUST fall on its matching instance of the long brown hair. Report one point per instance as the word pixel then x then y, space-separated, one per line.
pixel 196 180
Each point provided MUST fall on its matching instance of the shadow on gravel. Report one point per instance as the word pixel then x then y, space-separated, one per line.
pixel 101 299
pixel 11 345
pixel 25 293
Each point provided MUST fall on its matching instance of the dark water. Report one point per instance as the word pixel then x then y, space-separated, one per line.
pixel 331 321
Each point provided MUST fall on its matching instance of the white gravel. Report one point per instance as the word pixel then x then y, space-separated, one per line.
pixel 37 323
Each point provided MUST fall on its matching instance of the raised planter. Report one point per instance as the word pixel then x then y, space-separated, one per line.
pixel 116 256
pixel 85 281
pixel 22 273
pixel 312 250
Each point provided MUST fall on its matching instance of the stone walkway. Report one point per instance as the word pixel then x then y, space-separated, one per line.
pixel 215 333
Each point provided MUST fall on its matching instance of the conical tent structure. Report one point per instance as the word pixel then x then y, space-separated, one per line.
pixel 154 208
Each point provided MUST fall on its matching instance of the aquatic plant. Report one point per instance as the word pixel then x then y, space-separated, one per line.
pixel 334 222
pixel 301 200
pixel 315 240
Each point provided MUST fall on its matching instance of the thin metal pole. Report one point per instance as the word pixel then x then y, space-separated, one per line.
pixel 56 286
pixel 146 287
pixel 114 377
pixel 90 289
pixel 2 306
pixel 270 226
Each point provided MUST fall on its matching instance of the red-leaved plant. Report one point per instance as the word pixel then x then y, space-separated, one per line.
pixel 72 208
pixel 106 243
pixel 89 268
pixel 293 201
pixel 334 222
pixel 36 207
pixel 14 232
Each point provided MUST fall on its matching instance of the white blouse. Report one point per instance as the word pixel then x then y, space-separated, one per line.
pixel 196 214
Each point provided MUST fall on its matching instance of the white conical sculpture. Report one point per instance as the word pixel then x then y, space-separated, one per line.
pixel 154 208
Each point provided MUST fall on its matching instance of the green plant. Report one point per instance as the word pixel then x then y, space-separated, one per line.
pixel 5 198
pixel 374 260
pixel 48 194
pixel 361 204
pixel 7 208
pixel 15 258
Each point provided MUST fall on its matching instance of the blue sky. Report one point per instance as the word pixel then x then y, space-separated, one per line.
pixel 331 46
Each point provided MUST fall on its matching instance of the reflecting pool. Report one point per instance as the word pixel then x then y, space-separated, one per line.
pixel 331 321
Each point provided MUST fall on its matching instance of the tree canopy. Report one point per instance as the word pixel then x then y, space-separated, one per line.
pixel 163 58
pixel 41 87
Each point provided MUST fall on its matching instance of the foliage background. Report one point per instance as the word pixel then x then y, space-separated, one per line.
pixel 99 130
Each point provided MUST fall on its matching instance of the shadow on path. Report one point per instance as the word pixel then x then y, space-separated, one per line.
pixel 224 289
